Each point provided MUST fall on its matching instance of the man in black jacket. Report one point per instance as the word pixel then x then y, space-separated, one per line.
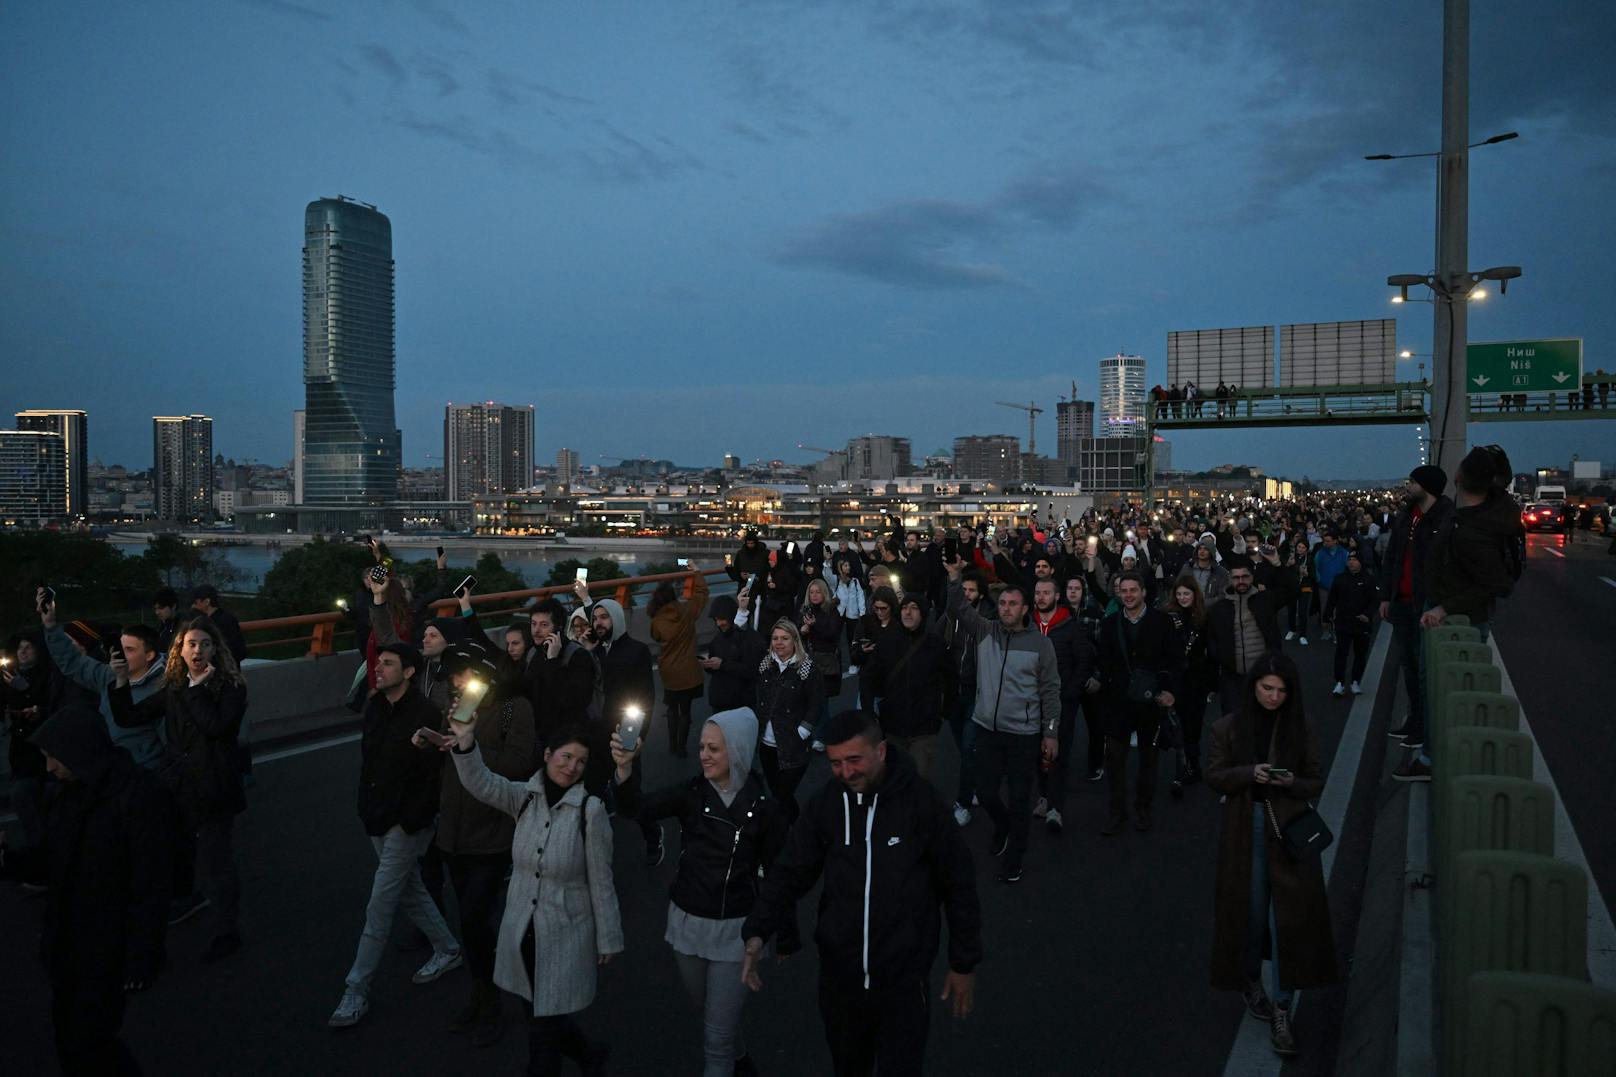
pixel 1241 629
pixel 109 838
pixel 1074 655
pixel 732 659
pixel 560 674
pixel 959 689
pixel 628 686
pixel 906 672
pixel 205 600
pixel 1402 584
pixel 1351 606
pixel 1137 644
pixel 398 801
pixel 891 862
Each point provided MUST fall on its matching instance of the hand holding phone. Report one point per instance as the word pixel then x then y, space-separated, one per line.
pixel 425 737
pixel 628 730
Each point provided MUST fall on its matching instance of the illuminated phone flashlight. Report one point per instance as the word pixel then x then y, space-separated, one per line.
pixel 342 603
pixel 465 708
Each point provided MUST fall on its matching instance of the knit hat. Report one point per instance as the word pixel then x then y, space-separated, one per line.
pixel 470 655
pixel 724 608
pixel 1432 479
pixel 1208 539
pixel 1128 551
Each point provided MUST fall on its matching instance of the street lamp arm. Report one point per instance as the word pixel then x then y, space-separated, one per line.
pixel 1493 141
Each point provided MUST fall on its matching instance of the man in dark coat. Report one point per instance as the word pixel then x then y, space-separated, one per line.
pixel 1135 640
pixel 732 659
pixel 628 685
pixel 906 673
pixel 560 673
pixel 750 562
pixel 1242 628
pixel 205 600
pixel 110 832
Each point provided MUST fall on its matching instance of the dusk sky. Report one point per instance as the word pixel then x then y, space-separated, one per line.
pixel 687 229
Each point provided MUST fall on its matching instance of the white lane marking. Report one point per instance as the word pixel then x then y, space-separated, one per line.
pixel 1608 580
pixel 1601 931
pixel 303 749
pixel 1555 552
pixel 1252 1054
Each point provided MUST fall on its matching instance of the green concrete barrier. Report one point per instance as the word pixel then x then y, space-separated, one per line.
pixel 1488 812
pixel 1509 912
pixel 1518 1024
pixel 1494 710
pixel 1443 678
pixel 1472 650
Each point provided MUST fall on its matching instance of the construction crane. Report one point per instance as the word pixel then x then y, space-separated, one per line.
pixel 1033 411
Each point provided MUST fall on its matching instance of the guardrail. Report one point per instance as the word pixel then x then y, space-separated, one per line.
pixel 326 627
pixel 1375 403
pixel 1511 987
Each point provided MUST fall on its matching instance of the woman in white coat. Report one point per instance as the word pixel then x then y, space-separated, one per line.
pixel 561 920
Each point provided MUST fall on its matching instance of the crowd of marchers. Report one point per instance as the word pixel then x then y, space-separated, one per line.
pixel 499 764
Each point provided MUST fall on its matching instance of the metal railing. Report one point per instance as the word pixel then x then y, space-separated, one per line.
pixel 326 627
pixel 1392 402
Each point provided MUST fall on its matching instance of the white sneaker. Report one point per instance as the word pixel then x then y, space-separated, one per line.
pixel 348 1012
pixel 1303 641
pixel 1290 635
pixel 1053 821
pixel 818 745
pixel 1356 688
pixel 1040 809
pixel 962 815
pixel 1133 740
pixel 1339 689
pixel 436 965
pixel 852 671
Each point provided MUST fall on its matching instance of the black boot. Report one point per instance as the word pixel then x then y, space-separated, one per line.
pixel 490 1016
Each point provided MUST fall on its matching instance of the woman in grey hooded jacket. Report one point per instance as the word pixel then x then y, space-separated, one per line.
pixel 731 828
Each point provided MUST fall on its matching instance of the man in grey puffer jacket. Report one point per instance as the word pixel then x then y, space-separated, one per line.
pixel 1017 703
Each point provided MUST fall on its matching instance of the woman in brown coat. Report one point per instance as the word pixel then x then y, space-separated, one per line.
pixel 1264 761
pixel 673 626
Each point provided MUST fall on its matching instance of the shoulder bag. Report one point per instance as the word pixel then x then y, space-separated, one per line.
pixel 1304 837
pixel 1142 686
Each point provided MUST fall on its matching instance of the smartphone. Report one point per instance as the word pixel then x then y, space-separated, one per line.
pixel 1278 772
pixel 363 540
pixel 791 549
pixel 465 585
pixel 465 707
pixel 683 562
pixel 729 559
pixel 342 604
pixel 582 573
pixel 50 596
pixel 440 551
pixel 378 573
pixel 433 737
pixel 628 730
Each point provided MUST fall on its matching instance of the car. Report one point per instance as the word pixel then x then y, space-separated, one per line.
pixel 1541 516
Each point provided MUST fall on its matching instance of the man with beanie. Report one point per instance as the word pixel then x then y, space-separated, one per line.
pixel 1351 607
pixel 1475 558
pixel 1241 628
pixel 1202 567
pixel 1402 584
pixel 732 659
pixel 109 839
pixel 398 802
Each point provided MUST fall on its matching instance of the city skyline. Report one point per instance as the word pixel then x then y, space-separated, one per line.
pixel 884 212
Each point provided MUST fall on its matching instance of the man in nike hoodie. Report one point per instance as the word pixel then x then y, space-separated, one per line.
pixel 893 862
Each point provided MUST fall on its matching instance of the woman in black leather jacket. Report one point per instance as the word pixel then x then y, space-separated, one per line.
pixel 731 828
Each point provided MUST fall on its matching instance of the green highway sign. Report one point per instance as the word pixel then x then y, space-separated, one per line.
pixel 1524 366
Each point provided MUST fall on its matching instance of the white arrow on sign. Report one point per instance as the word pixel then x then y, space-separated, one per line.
pixel 1481 379
pixel 1561 377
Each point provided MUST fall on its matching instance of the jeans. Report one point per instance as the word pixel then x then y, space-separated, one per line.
pixel 716 987
pixel 397 882
pixel 964 730
pixel 1052 783
pixel 883 1027
pixel 1191 708
pixel 1260 917
pixel 1299 612
pixel 1405 622
pixel 1116 770
pixel 477 882
pixel 1007 758
pixel 1358 644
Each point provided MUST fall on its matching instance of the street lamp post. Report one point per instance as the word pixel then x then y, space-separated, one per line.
pixel 1452 285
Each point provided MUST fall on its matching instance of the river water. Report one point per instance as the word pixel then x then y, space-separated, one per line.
pixel 254 561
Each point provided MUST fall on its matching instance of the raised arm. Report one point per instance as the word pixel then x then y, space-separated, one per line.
pixel 501 794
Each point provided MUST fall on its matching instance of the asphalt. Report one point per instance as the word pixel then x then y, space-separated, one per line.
pixel 1095 963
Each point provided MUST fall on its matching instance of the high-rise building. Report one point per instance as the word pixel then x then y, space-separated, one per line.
pixel 1074 421
pixel 566 466
pixel 731 462
pixel 995 458
pixel 878 456
pixel 73 426
pixel 33 477
pixel 1113 465
pixel 351 445
pixel 1122 395
pixel 297 456
pixel 182 467
pixel 487 449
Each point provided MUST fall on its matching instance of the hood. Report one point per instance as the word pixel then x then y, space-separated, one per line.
pixel 1497 516
pixel 77 735
pixel 740 730
pixel 619 620
pixel 914 598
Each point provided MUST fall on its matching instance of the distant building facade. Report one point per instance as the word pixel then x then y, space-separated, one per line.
pixel 351 443
pixel 182 467
pixel 297 456
pixel 33 477
pixel 1113 465
pixel 1122 396
pixel 74 430
pixel 487 449
pixel 1074 420
pixel 567 466
pixel 878 457
pixel 994 457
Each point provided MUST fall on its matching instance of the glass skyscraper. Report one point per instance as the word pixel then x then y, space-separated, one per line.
pixel 350 442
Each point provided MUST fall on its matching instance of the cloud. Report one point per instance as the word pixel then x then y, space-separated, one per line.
pixel 286 7
pixel 616 157
pixel 512 90
pixel 435 71
pixel 931 243
pixel 622 158
pixel 441 17
pixel 746 132
pixel 383 62
pixel 921 243
pixel 760 80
